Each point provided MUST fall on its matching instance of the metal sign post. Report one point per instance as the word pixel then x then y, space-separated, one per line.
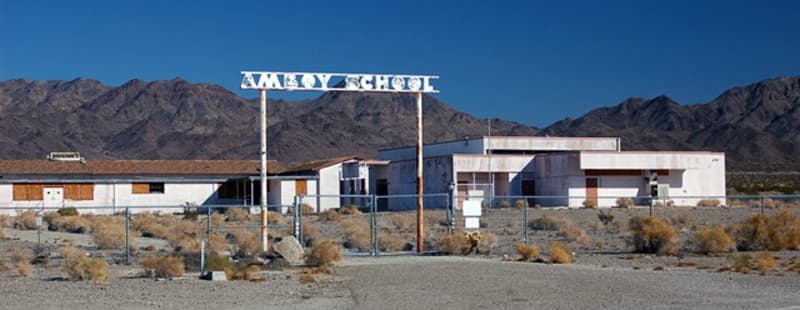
pixel 358 82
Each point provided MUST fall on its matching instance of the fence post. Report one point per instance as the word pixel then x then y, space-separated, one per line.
pixel 127 236
pixel 202 258
pixel 451 214
pixel 525 222
pixel 295 219
pixel 373 208
pixel 762 204
pixel 208 222
pixel 299 212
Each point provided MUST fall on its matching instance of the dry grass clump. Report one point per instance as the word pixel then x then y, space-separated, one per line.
pixel 590 203
pixel 306 209
pixel 184 236
pixel 68 212
pixel 3 221
pixel 520 204
pixel 70 224
pixel 560 253
pixel 245 243
pixel 546 223
pixel 150 226
pixel 713 240
pixel 275 218
pixel 248 273
pixel 574 234
pixel 391 243
pixel 24 269
pixel 773 233
pixel 217 219
pixel 605 217
pixel 528 252
pixel 109 234
pixel 349 210
pixel 25 220
pixel 652 235
pixel 330 215
pixel 623 202
pixel 79 267
pixel 21 258
pixel 708 203
pixel 356 234
pixel 162 266
pixel 765 261
pixel 404 222
pixel 454 244
pixel 325 253
pixel 216 243
pixel 237 214
pixel 486 242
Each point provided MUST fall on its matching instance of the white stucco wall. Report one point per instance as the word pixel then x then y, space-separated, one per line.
pixel 467 146
pixel 552 143
pixel 120 195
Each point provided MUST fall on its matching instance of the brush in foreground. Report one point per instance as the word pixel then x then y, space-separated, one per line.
pixel 528 252
pixel 325 253
pixel 651 234
pixel 162 267
pixel 560 254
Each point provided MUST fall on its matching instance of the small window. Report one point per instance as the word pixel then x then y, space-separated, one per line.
pixel 148 188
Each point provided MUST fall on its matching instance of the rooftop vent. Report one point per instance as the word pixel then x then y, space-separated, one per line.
pixel 66 156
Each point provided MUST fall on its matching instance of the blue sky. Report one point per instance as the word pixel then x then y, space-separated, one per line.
pixel 528 61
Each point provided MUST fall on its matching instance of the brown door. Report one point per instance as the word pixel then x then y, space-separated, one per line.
pixel 382 189
pixel 591 190
pixel 300 187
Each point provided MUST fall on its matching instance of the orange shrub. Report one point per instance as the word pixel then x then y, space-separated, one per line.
pixel 560 254
pixel 653 235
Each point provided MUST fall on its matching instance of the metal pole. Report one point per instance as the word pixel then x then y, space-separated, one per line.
pixel 202 258
pixel 762 204
pixel 208 222
pixel 420 215
pixel 127 237
pixel 373 224
pixel 264 234
pixel 525 222
pixel 296 219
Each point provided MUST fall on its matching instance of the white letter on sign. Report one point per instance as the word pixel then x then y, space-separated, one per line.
pixel 398 83
pixel 308 81
pixel 290 80
pixel 381 82
pixel 426 84
pixel 366 82
pixel 269 81
pixel 323 80
pixel 248 81
pixel 351 82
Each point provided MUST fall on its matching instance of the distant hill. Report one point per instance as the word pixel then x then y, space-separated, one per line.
pixel 757 125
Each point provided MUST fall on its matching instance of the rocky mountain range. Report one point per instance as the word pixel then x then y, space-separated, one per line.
pixel 757 125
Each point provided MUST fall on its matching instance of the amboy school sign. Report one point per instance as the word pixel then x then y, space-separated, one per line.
pixel 313 81
pixel 290 81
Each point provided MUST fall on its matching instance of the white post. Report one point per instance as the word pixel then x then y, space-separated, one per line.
pixel 420 215
pixel 264 245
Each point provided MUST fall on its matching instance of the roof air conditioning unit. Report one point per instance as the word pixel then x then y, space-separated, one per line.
pixel 65 156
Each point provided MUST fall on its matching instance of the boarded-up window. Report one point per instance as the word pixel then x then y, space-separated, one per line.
pixel 300 187
pixel 148 188
pixel 79 191
pixel 31 191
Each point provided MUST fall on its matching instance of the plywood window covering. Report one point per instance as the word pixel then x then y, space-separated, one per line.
pixel 300 187
pixel 148 188
pixel 79 191
pixel 28 191
pixel 33 191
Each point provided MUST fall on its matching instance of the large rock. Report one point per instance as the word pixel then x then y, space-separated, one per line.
pixel 290 249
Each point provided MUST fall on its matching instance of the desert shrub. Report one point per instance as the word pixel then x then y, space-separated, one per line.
pixel 391 243
pixel 765 261
pixel 774 233
pixel 560 253
pixel 709 203
pixel 520 204
pixel 18 255
pixel 487 242
pixel 330 215
pixel 68 212
pixel 652 235
pixel 111 236
pixel 216 243
pixel 70 224
pixel 740 263
pixel 356 234
pixel 25 220
pixel 713 240
pixel 237 214
pixel 624 202
pixel 275 218
pixel 505 203
pixel 574 234
pixel 306 209
pixel 454 244
pixel 682 219
pixel 404 222
pixel 325 253
pixel 148 225
pixel 82 268
pixel 221 263
pixel 590 203
pixel 217 219
pixel 245 243
pixel 2 226
pixel 310 233
pixel 349 210
pixel 546 223
pixel 68 251
pixel 247 273
pixel 24 269
pixel 528 252
pixel 162 267
pixel 605 217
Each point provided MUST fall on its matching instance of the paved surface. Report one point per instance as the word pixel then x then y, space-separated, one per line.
pixel 459 283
